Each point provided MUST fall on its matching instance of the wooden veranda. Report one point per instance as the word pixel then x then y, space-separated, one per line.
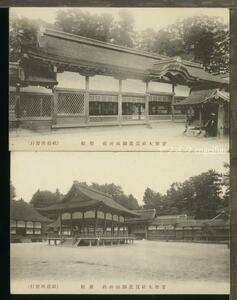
pixel 62 52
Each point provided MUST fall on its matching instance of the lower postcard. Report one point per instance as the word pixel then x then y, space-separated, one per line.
pixel 120 223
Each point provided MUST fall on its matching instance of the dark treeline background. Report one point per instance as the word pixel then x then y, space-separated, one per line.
pixel 201 196
pixel 203 39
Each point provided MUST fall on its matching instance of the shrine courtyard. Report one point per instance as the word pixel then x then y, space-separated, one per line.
pixel 169 135
pixel 157 266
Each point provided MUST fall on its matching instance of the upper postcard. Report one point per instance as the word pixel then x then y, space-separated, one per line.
pixel 112 79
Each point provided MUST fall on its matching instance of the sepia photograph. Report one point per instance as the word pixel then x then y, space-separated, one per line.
pixel 119 79
pixel 120 223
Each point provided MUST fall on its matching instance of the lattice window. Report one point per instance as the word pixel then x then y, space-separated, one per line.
pixel 103 98
pixel 35 105
pixel 161 98
pixel 133 99
pixel 70 103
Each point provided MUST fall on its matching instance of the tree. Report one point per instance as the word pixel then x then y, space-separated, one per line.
pixel 226 188
pixel 101 27
pixel 123 32
pixel 45 198
pixel 117 193
pixel 153 199
pixel 86 24
pixel 199 196
pixel 12 192
pixel 203 39
pixel 22 35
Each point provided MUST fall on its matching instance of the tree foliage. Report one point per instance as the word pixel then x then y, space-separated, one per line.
pixel 201 39
pixel 200 196
pixel 102 27
pixel 22 34
pixel 45 198
pixel 117 193
pixel 12 192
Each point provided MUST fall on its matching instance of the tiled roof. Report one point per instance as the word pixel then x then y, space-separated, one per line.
pixel 191 71
pixel 202 96
pixel 80 196
pixel 20 210
pixel 73 52
pixel 144 215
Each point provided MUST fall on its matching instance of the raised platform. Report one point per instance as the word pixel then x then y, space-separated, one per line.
pixel 90 241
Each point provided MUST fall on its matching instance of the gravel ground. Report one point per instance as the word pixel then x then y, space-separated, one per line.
pixel 180 266
pixel 71 139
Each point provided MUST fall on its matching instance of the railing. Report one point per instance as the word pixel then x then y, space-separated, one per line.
pixel 69 105
pixel 103 118
pixel 179 118
pixel 133 117
pixel 160 117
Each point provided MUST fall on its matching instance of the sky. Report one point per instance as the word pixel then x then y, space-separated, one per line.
pixel 133 171
pixel 155 18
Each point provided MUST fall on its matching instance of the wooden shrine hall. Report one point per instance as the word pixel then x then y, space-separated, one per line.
pixel 35 100
pixel 88 217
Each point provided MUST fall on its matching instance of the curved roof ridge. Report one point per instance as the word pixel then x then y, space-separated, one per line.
pixel 94 190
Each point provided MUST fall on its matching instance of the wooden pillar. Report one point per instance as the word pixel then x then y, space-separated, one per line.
pixel 120 100
pixel 147 98
pixel 172 101
pixel 95 224
pixel 60 225
pixel 146 231
pixel 71 224
pixel 83 224
pixel 104 229
pixel 55 106
pixel 87 86
pixel 220 120
pixel 18 106
pixel 118 225
pixel 200 115
pixel 112 226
